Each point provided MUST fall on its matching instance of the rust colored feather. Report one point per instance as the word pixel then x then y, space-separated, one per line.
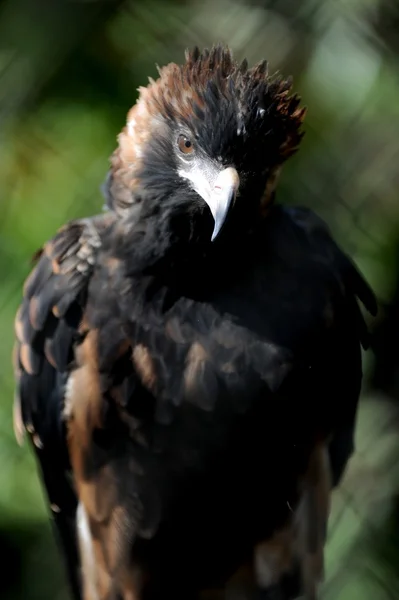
pixel 179 94
pixel 30 360
pixel 19 428
pixel 145 366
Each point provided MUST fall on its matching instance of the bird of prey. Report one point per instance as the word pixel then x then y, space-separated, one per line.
pixel 188 361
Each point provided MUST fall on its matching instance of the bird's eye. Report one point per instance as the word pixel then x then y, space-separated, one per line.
pixel 185 144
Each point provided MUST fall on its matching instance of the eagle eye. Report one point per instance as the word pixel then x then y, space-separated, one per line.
pixel 185 144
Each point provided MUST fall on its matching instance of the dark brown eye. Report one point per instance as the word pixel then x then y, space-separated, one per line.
pixel 185 144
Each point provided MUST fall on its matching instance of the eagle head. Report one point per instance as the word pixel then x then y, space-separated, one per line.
pixel 204 141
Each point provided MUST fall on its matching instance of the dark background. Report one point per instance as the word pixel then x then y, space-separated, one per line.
pixel 69 71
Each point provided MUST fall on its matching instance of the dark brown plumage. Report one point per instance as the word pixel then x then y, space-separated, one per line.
pixel 189 362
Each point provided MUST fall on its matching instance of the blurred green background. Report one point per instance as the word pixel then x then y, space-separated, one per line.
pixel 69 72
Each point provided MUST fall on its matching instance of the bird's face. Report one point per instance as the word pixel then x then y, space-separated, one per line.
pixel 206 137
pixel 207 176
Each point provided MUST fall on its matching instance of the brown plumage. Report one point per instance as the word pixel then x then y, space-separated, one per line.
pixel 182 91
pixel 189 362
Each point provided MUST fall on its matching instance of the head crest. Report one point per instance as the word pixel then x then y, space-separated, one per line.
pixel 184 93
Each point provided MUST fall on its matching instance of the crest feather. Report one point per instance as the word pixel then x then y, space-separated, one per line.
pixel 185 93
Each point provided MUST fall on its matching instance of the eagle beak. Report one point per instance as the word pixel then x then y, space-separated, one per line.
pixel 220 199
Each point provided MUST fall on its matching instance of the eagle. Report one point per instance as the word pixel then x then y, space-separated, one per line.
pixel 188 362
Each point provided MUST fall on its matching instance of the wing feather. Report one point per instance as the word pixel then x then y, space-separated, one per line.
pixel 354 288
pixel 46 329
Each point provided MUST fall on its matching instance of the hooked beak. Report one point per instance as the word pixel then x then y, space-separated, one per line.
pixel 221 197
pixel 217 188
